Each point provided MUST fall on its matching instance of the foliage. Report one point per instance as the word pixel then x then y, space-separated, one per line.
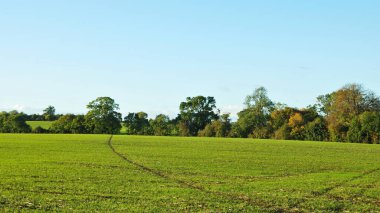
pixel 316 130
pixel 346 104
pixel 102 117
pixel 69 123
pixel 365 128
pixel 196 113
pixel 254 119
pixel 162 125
pixel 217 128
pixel 13 122
pixel 39 130
pixel 349 114
pixel 49 113
pixel 137 124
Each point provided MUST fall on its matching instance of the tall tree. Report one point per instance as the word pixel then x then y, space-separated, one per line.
pixel 102 117
pixel 346 104
pixel 49 113
pixel 253 120
pixel 196 113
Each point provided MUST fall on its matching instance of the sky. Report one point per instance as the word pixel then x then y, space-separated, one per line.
pixel 150 55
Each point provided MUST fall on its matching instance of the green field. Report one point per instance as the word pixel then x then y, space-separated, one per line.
pixel 47 125
pixel 43 124
pixel 131 173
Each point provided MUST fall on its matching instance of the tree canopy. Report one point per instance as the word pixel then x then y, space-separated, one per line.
pixel 197 112
pixel 349 114
pixel 102 117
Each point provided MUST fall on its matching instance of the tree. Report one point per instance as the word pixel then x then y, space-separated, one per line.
pixel 324 103
pixel 102 117
pixel 280 117
pixel 223 126
pixel 253 120
pixel 49 113
pixel 371 102
pixel 282 133
pixel 196 113
pixel 183 129
pixel 137 124
pixel 316 130
pixel 14 122
pixel 69 123
pixel 365 128
pixel 39 130
pixel 63 124
pixel 296 124
pixel 259 101
pixel 217 128
pixel 346 104
pixel 161 125
pixel 354 133
pixel 370 123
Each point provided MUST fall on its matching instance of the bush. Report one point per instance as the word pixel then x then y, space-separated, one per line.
pixel 39 130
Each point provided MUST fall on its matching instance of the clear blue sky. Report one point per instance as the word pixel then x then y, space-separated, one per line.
pixel 151 55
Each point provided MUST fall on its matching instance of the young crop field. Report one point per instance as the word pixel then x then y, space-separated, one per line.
pixel 140 174
pixel 43 124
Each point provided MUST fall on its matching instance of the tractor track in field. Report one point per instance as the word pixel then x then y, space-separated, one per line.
pixel 329 189
pixel 99 196
pixel 326 191
pixel 188 185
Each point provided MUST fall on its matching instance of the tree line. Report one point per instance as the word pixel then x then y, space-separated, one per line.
pixel 350 114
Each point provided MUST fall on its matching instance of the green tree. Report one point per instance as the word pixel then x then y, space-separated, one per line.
pixel 253 120
pixel 354 133
pixel 195 114
pixel 370 123
pixel 183 128
pixel 137 124
pixel 365 128
pixel 316 130
pixel 102 117
pixel 282 133
pixel 217 128
pixel 162 125
pixel 49 113
pixel 14 122
pixel 69 123
pixel 324 103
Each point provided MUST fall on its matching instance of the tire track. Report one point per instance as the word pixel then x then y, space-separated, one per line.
pixel 325 191
pixel 229 196
pixel 329 189
pixel 98 196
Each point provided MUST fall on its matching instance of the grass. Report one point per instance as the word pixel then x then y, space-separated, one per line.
pixel 139 174
pixel 43 124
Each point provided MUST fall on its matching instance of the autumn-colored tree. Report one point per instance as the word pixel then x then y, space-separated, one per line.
pixel 346 104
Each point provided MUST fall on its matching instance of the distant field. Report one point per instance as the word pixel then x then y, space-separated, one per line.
pixel 47 125
pixel 131 173
pixel 123 130
pixel 43 124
